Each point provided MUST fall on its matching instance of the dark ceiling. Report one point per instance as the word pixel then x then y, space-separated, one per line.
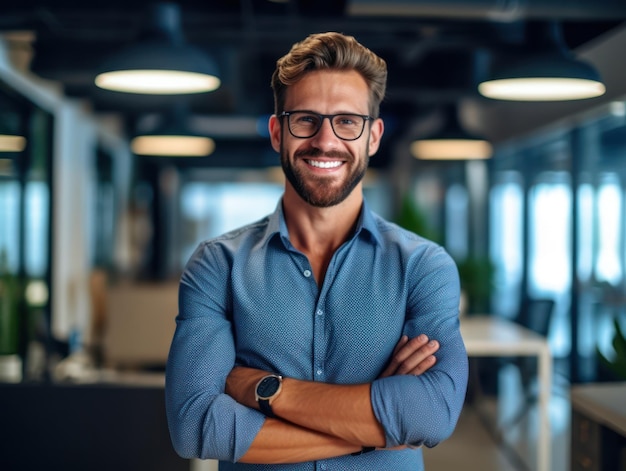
pixel 435 50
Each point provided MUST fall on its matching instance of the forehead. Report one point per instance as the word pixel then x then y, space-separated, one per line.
pixel 328 90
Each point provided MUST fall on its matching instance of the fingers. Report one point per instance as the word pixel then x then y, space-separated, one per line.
pixel 402 342
pixel 417 355
pixel 393 363
pixel 419 367
pixel 412 356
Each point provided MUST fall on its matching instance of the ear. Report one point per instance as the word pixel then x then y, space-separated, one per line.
pixel 274 127
pixel 376 133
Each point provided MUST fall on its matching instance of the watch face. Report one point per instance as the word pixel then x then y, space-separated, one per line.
pixel 268 387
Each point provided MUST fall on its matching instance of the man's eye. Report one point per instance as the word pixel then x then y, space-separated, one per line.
pixel 307 119
pixel 345 121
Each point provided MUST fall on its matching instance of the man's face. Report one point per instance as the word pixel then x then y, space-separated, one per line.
pixel 324 169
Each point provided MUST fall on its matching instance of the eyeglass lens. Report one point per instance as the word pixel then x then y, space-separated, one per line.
pixel 345 126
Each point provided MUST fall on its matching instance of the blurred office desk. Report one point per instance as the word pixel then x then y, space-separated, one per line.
pixel 492 336
pixel 598 431
pixel 115 424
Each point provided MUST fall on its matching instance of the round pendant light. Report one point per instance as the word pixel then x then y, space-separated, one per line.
pixel 162 63
pixel 12 143
pixel 11 139
pixel 452 142
pixel 547 71
pixel 173 138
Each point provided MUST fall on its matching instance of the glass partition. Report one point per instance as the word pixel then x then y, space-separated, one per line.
pixel 25 221
pixel 558 230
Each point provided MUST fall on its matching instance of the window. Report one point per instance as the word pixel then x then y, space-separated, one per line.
pixel 209 209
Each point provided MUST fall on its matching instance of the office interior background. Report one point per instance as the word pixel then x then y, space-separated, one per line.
pixel 94 233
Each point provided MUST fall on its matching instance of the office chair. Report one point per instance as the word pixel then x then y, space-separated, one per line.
pixel 535 315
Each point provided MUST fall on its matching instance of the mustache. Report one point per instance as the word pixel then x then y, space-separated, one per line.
pixel 320 153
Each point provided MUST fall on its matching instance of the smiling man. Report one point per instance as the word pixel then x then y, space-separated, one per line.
pixel 322 336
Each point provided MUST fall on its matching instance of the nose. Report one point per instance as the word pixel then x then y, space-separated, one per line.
pixel 325 137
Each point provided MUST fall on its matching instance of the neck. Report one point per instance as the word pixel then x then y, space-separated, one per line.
pixel 319 232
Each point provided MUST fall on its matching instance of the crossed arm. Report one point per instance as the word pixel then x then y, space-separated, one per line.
pixel 210 404
pixel 321 420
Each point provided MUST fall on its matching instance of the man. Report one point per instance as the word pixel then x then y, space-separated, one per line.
pixel 303 340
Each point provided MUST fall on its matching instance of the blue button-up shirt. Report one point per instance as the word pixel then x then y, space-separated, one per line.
pixel 250 298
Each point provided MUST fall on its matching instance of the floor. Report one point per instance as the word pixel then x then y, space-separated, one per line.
pixel 472 448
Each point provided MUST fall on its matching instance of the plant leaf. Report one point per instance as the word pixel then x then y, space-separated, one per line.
pixel 619 341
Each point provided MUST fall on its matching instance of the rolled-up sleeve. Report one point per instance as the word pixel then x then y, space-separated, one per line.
pixel 203 421
pixel 424 410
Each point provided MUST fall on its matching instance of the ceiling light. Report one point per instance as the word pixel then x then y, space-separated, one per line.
pixel 162 63
pixel 548 71
pixel 173 138
pixel 11 143
pixel 11 139
pixel 452 142
pixel 170 145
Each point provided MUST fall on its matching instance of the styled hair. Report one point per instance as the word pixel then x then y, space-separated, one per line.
pixel 332 51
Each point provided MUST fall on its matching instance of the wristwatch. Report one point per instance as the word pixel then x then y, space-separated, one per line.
pixel 266 391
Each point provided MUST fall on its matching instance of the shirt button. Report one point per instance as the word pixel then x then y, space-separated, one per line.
pixel 307 273
pixel 323 466
pixel 320 312
pixel 319 372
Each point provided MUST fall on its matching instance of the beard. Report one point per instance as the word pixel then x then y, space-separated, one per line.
pixel 321 191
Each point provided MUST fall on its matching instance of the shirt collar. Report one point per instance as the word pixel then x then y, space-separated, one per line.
pixel 278 227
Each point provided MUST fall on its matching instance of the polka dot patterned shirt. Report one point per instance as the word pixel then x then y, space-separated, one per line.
pixel 250 298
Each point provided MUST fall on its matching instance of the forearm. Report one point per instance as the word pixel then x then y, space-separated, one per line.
pixel 283 442
pixel 341 411
pixel 433 417
pixel 338 410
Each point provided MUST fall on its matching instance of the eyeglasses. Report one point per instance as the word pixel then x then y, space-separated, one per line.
pixel 306 124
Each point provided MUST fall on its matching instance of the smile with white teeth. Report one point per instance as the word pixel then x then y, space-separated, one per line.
pixel 324 164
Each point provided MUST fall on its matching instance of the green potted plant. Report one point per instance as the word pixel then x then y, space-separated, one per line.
pixel 10 361
pixel 9 327
pixel 617 364
pixel 412 218
pixel 476 273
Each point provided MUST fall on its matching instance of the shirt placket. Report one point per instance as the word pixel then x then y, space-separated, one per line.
pixel 319 342
pixel 320 346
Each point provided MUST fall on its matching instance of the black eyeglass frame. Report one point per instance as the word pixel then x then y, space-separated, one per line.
pixel 286 114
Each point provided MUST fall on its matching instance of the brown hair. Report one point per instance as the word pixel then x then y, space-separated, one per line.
pixel 330 51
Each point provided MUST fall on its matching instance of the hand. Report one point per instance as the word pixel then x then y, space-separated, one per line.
pixel 411 356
